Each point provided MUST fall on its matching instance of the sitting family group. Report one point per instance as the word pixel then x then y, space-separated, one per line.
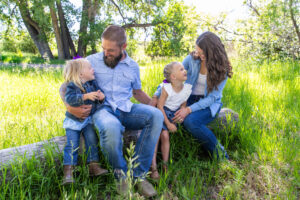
pixel 97 92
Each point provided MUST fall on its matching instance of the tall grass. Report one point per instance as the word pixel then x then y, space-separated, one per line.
pixel 263 145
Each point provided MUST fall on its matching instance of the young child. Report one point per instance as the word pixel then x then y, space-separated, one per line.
pixel 81 89
pixel 173 97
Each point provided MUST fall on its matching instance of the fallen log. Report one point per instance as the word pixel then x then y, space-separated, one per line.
pixel 16 154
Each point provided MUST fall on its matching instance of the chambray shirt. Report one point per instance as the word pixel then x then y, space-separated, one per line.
pixel 117 84
pixel 212 99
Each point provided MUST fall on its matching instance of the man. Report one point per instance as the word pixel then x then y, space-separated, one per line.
pixel 118 76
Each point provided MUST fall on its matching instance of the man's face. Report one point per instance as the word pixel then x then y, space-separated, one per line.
pixel 113 53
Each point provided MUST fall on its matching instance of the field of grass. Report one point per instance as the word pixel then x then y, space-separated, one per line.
pixel 263 145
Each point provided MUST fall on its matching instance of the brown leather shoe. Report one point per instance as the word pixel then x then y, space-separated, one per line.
pixel 96 170
pixel 68 175
pixel 146 189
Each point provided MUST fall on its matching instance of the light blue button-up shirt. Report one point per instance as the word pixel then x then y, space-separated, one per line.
pixel 117 84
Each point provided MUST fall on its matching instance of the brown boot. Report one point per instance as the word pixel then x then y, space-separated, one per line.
pixel 96 170
pixel 68 175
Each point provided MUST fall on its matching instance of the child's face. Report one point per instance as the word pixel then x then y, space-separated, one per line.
pixel 87 73
pixel 179 72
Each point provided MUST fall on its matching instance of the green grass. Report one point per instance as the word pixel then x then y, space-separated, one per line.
pixel 263 145
pixel 10 57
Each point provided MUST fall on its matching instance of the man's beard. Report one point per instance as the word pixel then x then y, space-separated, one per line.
pixel 112 63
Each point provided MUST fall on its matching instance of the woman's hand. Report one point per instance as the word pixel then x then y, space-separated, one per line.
pixel 181 114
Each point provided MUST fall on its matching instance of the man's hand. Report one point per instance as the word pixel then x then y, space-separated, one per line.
pixel 80 112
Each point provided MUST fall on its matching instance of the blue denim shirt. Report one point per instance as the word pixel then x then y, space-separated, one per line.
pixel 212 99
pixel 118 83
pixel 73 97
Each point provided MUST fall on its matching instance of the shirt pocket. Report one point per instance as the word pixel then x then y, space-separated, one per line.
pixel 104 78
pixel 125 79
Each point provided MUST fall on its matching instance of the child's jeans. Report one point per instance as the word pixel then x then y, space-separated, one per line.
pixel 170 114
pixel 73 141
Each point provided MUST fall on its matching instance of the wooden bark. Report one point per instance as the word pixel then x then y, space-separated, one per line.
pixel 82 41
pixel 11 155
pixel 294 20
pixel 36 33
pixel 57 33
pixel 92 15
pixel 67 41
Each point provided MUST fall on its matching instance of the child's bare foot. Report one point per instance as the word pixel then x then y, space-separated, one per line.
pixel 154 174
pixel 165 167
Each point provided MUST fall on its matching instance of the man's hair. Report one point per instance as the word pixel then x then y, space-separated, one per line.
pixel 115 33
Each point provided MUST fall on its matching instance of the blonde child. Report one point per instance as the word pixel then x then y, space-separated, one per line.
pixel 81 89
pixel 173 97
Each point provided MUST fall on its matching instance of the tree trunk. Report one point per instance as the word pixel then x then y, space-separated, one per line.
pixel 57 33
pixel 36 33
pixel 82 41
pixel 294 20
pixel 65 33
pixel 92 15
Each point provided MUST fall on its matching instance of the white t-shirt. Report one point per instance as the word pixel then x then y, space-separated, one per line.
pixel 174 99
pixel 199 88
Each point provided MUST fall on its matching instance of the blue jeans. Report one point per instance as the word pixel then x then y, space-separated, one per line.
pixel 196 123
pixel 111 126
pixel 73 141
pixel 170 114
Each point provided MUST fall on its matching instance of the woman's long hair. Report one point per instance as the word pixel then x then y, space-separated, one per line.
pixel 217 62
pixel 72 71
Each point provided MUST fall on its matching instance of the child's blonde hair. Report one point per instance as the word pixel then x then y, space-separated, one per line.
pixel 168 69
pixel 72 72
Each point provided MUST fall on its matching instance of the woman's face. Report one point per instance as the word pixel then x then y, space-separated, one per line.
pixel 200 53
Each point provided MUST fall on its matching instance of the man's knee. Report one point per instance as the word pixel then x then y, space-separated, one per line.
pixel 156 115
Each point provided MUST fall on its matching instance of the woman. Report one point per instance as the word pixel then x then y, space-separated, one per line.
pixel 207 68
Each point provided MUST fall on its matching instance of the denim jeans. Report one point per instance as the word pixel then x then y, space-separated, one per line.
pixel 73 141
pixel 111 126
pixel 196 123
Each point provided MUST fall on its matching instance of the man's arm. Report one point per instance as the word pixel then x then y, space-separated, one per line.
pixel 80 112
pixel 141 96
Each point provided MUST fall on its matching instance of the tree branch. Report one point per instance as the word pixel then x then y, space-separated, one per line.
pixel 124 18
pixel 134 25
pixel 293 19
pixel 252 7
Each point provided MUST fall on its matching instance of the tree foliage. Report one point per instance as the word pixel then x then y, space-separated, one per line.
pixel 269 33
pixel 175 33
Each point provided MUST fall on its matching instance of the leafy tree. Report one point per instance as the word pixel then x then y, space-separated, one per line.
pixel 175 33
pixel 271 31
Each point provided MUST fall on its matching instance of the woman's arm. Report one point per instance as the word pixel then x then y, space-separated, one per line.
pixel 210 98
